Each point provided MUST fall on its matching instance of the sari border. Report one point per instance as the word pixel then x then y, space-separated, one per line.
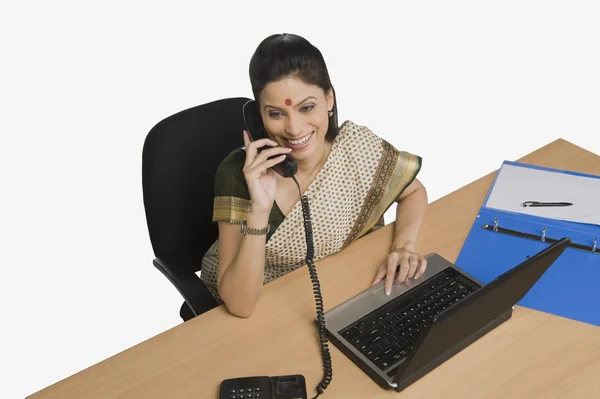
pixel 396 171
pixel 230 209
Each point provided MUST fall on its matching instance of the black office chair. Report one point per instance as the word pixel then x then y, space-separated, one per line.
pixel 180 157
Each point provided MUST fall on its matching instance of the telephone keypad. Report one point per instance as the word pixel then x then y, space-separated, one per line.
pixel 246 388
pixel 247 393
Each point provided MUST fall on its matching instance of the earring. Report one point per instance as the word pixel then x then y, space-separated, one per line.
pixel 330 114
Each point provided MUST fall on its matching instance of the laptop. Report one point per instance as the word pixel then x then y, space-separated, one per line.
pixel 399 338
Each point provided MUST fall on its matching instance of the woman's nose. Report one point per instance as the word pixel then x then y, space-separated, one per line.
pixel 294 125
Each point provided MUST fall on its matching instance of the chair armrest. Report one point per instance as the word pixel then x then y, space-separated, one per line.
pixel 189 285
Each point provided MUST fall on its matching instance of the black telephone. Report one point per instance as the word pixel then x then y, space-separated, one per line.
pixel 256 130
pixel 281 387
pixel 284 387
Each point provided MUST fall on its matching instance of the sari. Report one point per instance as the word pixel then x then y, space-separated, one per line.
pixel 361 178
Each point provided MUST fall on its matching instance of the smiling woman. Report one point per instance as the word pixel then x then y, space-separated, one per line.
pixel 350 175
pixel 302 125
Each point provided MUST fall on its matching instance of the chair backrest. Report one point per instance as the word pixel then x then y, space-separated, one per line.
pixel 180 157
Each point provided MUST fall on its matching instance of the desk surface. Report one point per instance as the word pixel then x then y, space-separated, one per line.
pixel 533 355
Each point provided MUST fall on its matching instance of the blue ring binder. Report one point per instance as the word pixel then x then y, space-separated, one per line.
pixel 499 239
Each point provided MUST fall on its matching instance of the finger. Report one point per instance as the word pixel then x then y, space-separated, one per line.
pixel 403 269
pixel 263 142
pixel 422 268
pixel 391 272
pixel 253 146
pixel 264 155
pixel 413 264
pixel 257 170
pixel 247 150
pixel 383 269
pixel 246 139
pixel 380 274
pixel 272 162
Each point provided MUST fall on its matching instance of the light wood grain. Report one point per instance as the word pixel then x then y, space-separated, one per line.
pixel 533 355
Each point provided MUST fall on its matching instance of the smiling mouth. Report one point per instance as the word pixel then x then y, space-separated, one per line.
pixel 300 141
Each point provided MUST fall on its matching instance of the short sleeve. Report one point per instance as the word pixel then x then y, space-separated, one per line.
pixel 231 199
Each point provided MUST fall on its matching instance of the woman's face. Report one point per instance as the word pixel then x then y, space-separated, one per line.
pixel 295 115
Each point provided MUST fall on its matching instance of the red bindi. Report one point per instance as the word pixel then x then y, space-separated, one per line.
pixel 288 102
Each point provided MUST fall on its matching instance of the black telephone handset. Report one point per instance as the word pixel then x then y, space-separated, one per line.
pixel 256 130
pixel 263 387
pixel 286 385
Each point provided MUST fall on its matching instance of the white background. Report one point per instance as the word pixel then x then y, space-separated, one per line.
pixel 464 84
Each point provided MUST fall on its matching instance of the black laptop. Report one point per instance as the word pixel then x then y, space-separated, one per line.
pixel 397 339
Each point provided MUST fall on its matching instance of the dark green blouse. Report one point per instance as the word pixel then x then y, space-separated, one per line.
pixel 232 198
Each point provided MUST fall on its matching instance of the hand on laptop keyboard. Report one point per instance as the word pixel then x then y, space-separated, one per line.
pixel 411 265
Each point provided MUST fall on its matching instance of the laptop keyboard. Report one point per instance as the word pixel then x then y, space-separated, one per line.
pixel 386 335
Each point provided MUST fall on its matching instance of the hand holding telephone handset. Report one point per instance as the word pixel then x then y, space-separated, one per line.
pixel 254 170
pixel 263 157
pixel 256 130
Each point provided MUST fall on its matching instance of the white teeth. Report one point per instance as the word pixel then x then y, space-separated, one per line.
pixel 302 141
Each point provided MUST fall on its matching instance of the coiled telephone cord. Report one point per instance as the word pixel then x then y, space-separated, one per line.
pixel 310 251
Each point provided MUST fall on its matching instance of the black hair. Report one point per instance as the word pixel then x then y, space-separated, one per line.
pixel 285 54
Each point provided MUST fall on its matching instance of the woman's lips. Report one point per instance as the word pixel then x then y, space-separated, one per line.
pixel 299 146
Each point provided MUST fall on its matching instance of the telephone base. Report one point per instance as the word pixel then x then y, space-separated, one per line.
pixel 263 387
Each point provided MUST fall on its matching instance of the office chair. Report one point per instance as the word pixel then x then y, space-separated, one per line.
pixel 180 156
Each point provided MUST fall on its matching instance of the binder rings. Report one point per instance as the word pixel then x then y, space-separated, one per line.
pixel 500 239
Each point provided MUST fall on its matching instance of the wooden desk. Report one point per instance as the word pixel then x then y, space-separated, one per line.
pixel 533 355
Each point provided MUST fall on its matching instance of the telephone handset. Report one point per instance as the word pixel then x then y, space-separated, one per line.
pixel 264 387
pixel 286 168
pixel 256 130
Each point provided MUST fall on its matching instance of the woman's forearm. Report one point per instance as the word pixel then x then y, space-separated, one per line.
pixel 240 285
pixel 410 213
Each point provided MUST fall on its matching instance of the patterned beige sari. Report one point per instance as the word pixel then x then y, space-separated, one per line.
pixel 361 178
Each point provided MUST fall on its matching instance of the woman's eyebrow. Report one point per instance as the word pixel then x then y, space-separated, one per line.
pixel 301 102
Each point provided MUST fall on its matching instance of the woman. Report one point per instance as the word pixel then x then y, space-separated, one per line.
pixel 350 175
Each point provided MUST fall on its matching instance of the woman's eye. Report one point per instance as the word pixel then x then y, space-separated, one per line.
pixel 274 114
pixel 307 108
